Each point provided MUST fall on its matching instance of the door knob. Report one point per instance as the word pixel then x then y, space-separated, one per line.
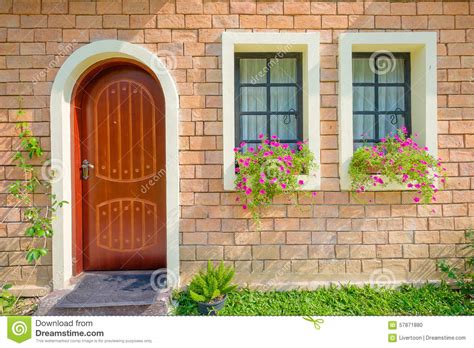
pixel 85 169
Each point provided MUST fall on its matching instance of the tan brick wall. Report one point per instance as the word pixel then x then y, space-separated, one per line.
pixel 335 236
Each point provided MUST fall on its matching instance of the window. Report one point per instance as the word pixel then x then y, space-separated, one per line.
pixel 381 95
pixel 270 85
pixel 268 97
pixel 376 98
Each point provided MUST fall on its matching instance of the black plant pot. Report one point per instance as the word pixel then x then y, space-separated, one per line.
pixel 206 308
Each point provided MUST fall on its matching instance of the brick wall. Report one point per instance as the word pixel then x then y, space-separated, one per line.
pixel 337 237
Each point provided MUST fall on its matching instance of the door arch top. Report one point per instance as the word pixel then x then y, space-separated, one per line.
pixel 60 122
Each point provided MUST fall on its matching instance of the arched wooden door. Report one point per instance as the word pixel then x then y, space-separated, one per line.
pixel 123 178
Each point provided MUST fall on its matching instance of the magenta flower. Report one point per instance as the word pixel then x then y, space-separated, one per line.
pixel 260 136
pixel 236 149
pixel 283 185
pixel 274 137
pixel 314 194
pixel 262 192
pixel 300 182
pixel 244 206
pixel 416 199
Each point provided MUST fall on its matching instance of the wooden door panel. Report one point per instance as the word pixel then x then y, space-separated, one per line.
pixel 123 127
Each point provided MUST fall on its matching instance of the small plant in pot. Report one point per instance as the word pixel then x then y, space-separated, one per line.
pixel 210 288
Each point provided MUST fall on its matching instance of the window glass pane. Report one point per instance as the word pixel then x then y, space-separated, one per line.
pixel 253 99
pixel 390 69
pixel 361 70
pixel 284 98
pixel 364 127
pixel 283 70
pixel 252 125
pixel 363 99
pixel 253 70
pixel 390 124
pixel 391 98
pixel 284 126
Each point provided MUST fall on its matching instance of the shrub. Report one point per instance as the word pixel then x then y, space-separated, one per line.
pixel 270 169
pixel 213 284
pixel 398 159
pixel 7 300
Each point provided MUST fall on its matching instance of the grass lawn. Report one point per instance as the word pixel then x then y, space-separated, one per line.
pixel 347 300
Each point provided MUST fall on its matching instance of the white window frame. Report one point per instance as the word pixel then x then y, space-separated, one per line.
pixel 308 45
pixel 423 75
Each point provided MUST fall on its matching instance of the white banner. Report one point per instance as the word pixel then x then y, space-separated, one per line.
pixel 229 332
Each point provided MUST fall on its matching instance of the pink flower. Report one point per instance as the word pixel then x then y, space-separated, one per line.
pixel 300 182
pixel 251 149
pixel 243 143
pixel 236 149
pixel 244 179
pixel 262 181
pixel 260 136
pixel 383 140
pixel 416 199
pixel 283 185
pixel 244 206
pixel 274 137
pixel 314 194
pixel 262 192
pixel 237 170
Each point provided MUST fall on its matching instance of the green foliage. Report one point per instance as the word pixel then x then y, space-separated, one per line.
pixel 7 300
pixel 40 218
pixel 212 284
pixel 270 169
pixel 463 278
pixel 397 159
pixel 429 299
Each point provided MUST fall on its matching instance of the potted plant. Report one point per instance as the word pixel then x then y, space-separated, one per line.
pixel 397 159
pixel 210 288
pixel 269 169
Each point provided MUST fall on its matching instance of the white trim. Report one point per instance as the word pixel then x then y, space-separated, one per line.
pixel 308 44
pixel 61 95
pixel 422 48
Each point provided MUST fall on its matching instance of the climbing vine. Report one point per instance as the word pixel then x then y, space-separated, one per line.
pixel 38 217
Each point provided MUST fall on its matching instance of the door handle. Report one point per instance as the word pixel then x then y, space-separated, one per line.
pixel 85 169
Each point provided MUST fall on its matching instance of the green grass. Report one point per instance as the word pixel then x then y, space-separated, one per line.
pixel 347 300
